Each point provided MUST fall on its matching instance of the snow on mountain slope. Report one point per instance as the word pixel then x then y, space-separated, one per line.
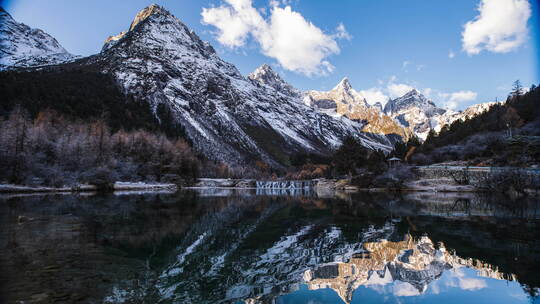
pixel 421 115
pixel 266 76
pixel 414 111
pixel 448 117
pixel 227 117
pixel 22 46
pixel 344 100
pixel 412 99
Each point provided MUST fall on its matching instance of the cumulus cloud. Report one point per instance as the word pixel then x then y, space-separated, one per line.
pixel 453 100
pixel 388 90
pixel 465 282
pixel 234 22
pixel 451 54
pixel 341 32
pixel 404 289
pixel 374 95
pixel 500 28
pixel 394 88
pixel 297 44
pixel 398 89
pixel 472 284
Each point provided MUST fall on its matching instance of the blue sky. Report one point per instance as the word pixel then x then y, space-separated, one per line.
pixel 384 46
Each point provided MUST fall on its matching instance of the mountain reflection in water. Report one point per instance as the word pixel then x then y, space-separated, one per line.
pixel 252 247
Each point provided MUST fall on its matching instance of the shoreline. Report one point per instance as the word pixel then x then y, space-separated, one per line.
pixel 117 187
pixel 441 186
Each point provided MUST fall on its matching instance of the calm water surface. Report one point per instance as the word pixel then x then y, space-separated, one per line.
pixel 269 247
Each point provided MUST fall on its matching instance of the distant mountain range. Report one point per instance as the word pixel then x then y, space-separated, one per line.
pixel 228 117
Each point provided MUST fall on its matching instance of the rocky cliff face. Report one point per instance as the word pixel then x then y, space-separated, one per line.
pixel 228 117
pixel 22 46
pixel 343 100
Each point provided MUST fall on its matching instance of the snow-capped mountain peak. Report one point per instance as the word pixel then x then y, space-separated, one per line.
pixel 265 75
pixel 147 12
pixel 344 85
pixel 22 46
pixel 412 99
pixel 414 111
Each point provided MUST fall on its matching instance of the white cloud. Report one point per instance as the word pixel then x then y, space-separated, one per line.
pixel 465 282
pixel 451 54
pixel 297 44
pixel 341 32
pixel 500 28
pixel 374 95
pixel 420 67
pixel 405 64
pixel 398 89
pixel 234 22
pixel 453 100
pixel 394 88
pixel 472 284
pixel 404 289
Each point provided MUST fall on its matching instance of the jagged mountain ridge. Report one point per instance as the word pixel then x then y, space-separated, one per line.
pixel 265 75
pixel 416 112
pixel 261 117
pixel 227 117
pixel 344 100
pixel 412 99
pixel 22 46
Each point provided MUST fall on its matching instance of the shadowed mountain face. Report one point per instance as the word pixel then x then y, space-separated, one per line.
pixel 186 248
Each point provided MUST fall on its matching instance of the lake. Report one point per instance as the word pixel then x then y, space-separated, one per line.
pixel 225 246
